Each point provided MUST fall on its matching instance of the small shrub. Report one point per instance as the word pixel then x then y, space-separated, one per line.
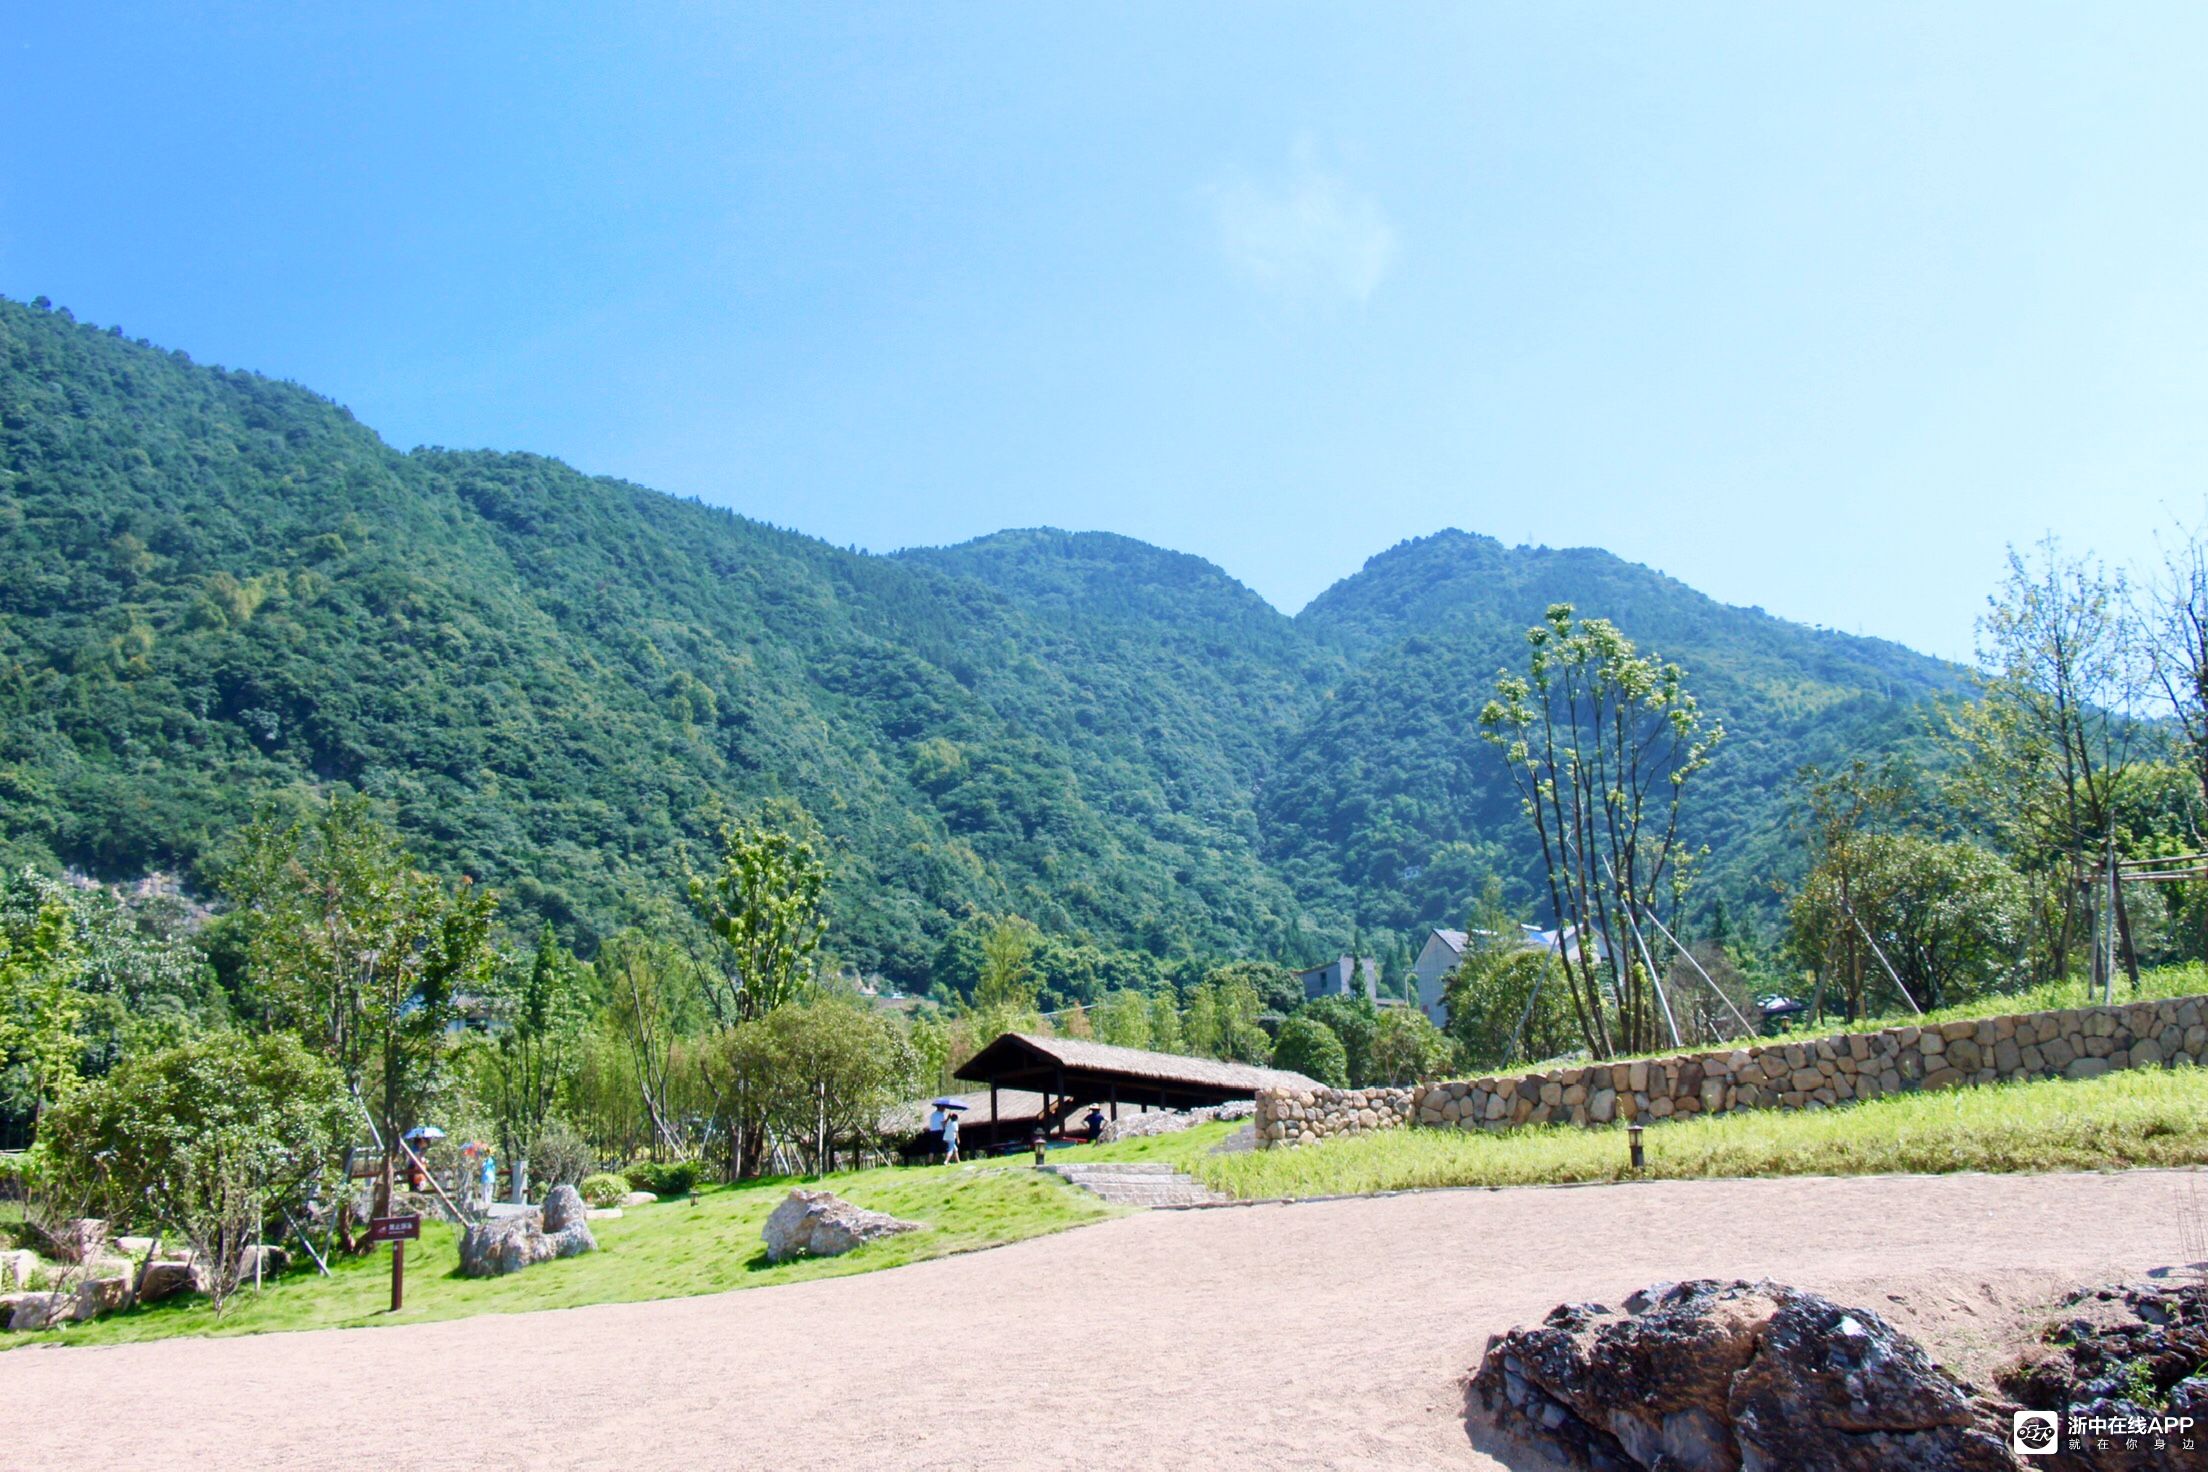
pixel 664 1178
pixel 603 1189
pixel 560 1157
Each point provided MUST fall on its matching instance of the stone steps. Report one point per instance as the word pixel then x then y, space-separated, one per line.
pixel 1139 1183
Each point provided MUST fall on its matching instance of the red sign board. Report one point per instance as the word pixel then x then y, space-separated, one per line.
pixel 395 1229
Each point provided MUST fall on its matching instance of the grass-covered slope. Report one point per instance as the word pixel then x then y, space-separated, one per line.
pixel 671 1250
pixel 2115 1122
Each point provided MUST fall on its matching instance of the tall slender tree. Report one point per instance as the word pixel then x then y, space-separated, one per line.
pixel 542 1007
pixel 766 900
pixel 2054 733
pixel 1602 742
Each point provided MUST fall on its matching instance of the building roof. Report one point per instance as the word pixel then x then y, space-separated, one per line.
pixel 1012 1104
pixel 1453 939
pixel 1080 1055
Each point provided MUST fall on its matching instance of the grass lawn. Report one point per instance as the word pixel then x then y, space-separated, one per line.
pixel 2151 1117
pixel 2155 984
pixel 670 1250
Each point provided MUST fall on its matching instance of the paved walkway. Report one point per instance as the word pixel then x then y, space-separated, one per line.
pixel 1328 1335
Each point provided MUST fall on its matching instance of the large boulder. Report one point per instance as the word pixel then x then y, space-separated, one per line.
pixel 507 1244
pixel 504 1244
pixel 17 1268
pixel 39 1310
pixel 1710 1376
pixel 261 1257
pixel 96 1296
pixel 169 1277
pixel 823 1224
pixel 83 1239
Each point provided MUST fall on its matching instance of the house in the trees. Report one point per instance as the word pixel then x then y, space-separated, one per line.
pixel 1344 976
pixel 1445 950
pixel 1440 955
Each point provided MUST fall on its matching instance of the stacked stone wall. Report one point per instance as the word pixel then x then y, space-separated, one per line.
pixel 1299 1117
pixel 1813 1073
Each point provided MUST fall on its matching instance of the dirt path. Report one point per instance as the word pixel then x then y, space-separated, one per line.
pixel 1333 1334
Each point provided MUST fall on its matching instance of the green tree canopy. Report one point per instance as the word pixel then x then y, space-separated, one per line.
pixel 1407 1048
pixel 1309 1047
pixel 360 951
pixel 207 1139
pixel 765 899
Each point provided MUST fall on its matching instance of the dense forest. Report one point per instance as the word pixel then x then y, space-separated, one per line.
pixel 221 594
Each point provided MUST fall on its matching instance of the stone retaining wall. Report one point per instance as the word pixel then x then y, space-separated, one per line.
pixel 1816 1073
pixel 1297 1117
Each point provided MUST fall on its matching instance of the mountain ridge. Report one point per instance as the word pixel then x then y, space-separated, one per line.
pixel 222 591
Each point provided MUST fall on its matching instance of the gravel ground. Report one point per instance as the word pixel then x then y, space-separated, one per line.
pixel 1330 1334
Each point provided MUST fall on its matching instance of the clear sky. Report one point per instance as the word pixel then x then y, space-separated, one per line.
pixel 1815 307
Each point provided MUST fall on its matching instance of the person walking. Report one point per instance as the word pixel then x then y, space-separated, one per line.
pixel 950 1137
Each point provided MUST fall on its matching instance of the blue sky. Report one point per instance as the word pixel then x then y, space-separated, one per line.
pixel 1816 308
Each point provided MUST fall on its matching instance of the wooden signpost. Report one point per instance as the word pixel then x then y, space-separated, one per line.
pixel 398 1231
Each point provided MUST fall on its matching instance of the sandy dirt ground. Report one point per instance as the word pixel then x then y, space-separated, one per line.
pixel 1330 1334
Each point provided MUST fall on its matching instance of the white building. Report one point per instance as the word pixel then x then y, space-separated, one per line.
pixel 1444 949
pixel 1440 955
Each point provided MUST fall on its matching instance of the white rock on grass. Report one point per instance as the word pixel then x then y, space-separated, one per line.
pixel 38 1310
pixel 823 1224
pixel 507 1244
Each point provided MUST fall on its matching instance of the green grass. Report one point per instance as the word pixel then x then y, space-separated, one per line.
pixel 670 1250
pixel 2147 1118
pixel 2155 984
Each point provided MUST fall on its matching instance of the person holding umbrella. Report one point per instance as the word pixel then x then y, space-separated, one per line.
pixel 950 1135
pixel 943 1123
pixel 417 1140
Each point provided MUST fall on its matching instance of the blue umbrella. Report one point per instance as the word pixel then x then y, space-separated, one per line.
pixel 951 1104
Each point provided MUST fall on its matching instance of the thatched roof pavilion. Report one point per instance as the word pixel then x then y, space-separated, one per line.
pixel 1055 1078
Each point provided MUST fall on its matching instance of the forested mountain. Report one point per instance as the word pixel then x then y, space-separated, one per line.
pixel 218 591
pixel 1390 803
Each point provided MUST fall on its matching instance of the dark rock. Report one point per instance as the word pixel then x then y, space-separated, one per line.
pixel 167 1278
pixel 1735 1377
pixel 2133 1356
pixel 563 1208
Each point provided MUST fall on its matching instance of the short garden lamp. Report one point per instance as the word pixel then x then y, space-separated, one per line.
pixel 1633 1143
pixel 1035 1142
pixel 693 1195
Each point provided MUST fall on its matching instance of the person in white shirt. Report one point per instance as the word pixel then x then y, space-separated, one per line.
pixel 950 1138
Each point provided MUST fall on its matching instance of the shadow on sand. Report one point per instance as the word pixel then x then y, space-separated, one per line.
pixel 1509 1451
